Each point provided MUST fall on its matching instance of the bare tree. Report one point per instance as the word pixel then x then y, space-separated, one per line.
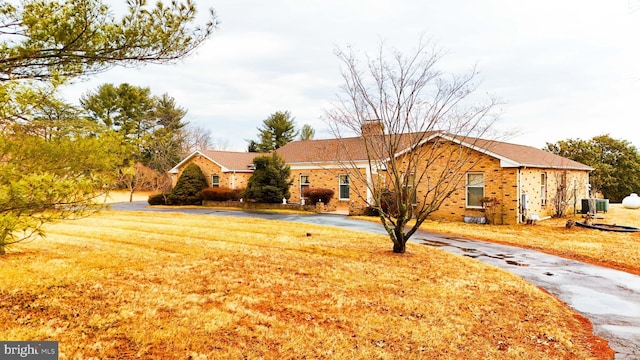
pixel 416 128
pixel 138 177
pixel 565 193
pixel 219 144
pixel 196 138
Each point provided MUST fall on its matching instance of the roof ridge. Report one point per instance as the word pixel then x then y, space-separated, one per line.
pixel 234 152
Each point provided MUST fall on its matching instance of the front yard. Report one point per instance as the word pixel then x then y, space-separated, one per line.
pixel 611 249
pixel 173 286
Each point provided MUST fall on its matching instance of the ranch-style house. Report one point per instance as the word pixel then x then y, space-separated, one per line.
pixel 523 179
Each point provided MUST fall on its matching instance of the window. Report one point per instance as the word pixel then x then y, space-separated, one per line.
pixel 475 190
pixel 304 185
pixel 344 187
pixel 215 180
pixel 543 188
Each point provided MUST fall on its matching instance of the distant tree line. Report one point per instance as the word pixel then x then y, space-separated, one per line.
pixel 153 133
pixel 616 164
pixel 57 162
pixel 276 131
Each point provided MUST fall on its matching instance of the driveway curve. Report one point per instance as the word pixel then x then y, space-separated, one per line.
pixel 610 299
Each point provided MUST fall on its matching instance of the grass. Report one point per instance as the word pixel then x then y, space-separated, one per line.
pixel 123 196
pixel 173 286
pixel 615 250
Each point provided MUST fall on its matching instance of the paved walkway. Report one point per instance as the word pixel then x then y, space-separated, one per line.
pixel 610 299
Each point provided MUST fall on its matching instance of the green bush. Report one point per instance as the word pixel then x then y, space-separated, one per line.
pixel 188 189
pixel 237 194
pixel 158 199
pixel 221 194
pixel 270 180
pixel 316 195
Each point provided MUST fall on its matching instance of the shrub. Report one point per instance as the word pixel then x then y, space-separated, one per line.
pixel 388 202
pixel 491 207
pixel 318 194
pixel 221 194
pixel 270 180
pixel 216 194
pixel 188 189
pixel 371 211
pixel 158 199
pixel 237 194
pixel 267 194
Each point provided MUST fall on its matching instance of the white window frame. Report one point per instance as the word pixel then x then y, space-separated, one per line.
pixel 303 184
pixel 468 187
pixel 215 184
pixel 307 178
pixel 342 183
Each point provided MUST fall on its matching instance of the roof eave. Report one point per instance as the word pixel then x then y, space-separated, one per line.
pixel 176 168
pixel 558 167
pixel 506 162
pixel 304 165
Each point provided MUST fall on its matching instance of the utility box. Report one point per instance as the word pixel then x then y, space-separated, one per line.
pixel 602 205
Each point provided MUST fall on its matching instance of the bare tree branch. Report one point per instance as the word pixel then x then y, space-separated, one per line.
pixel 417 129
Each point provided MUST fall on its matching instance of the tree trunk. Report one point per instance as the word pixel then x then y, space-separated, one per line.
pixel 399 247
pixel 399 243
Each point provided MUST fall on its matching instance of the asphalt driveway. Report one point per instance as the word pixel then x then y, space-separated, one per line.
pixel 610 299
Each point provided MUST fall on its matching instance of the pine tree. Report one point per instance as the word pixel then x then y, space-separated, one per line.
pixel 270 180
pixel 188 189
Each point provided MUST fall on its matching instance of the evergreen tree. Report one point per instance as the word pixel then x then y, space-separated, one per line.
pixel 125 108
pixel 63 39
pixel 276 131
pixel 56 164
pixel 252 146
pixel 270 180
pixel 152 125
pixel 307 132
pixel 188 189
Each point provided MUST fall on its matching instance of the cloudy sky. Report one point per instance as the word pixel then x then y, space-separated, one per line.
pixel 564 69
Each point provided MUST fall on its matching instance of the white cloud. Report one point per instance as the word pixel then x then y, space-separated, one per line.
pixel 565 69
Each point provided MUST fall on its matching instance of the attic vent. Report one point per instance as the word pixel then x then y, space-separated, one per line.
pixel 251 166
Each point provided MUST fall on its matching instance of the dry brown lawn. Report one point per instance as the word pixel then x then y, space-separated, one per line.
pixel 124 196
pixel 145 285
pixel 611 249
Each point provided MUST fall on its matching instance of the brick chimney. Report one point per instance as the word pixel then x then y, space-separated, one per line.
pixel 372 127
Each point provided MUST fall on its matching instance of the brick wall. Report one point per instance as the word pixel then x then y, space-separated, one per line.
pixel 500 183
pixel 237 180
pixel 574 183
pixel 329 179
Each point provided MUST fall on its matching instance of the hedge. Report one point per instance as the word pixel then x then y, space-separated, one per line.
pixel 316 195
pixel 221 194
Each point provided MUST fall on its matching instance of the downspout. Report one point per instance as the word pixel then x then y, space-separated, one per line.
pixel 368 185
pixel 519 204
pixel 502 207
